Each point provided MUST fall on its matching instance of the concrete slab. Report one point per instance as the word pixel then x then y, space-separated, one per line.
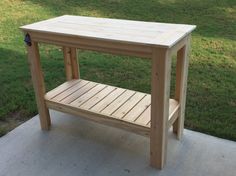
pixel 76 147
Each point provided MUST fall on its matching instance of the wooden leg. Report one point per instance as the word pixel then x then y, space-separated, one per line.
pixel 181 88
pixel 38 83
pixel 71 63
pixel 74 63
pixel 161 69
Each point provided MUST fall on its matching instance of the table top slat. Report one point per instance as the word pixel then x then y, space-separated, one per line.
pixel 125 31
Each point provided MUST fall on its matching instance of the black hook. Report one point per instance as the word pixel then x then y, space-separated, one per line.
pixel 27 39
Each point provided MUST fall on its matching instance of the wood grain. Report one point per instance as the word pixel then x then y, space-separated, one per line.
pixel 128 31
pixel 161 66
pixel 181 86
pixel 38 83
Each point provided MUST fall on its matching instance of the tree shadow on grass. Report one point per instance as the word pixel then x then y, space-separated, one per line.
pixel 213 18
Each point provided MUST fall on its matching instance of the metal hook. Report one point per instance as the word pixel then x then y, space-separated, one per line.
pixel 27 40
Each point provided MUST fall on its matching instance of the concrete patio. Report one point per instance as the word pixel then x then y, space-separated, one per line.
pixel 79 147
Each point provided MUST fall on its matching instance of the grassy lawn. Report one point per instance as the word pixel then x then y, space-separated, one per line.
pixel 211 96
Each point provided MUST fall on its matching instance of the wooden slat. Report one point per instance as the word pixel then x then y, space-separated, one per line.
pixel 144 118
pixel 70 90
pixel 128 105
pixel 79 92
pixel 97 98
pixel 138 109
pixel 85 97
pixel 51 94
pixel 108 100
pixel 118 102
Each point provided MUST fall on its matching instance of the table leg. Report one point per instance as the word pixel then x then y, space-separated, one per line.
pixel 71 63
pixel 38 83
pixel 181 87
pixel 161 71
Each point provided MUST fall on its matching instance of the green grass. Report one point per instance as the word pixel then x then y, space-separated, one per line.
pixel 211 96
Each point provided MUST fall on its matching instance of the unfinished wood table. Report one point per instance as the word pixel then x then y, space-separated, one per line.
pixel 145 114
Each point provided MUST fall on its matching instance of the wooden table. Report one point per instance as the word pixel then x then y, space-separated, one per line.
pixel 145 114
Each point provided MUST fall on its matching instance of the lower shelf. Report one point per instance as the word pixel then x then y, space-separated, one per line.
pixel 106 104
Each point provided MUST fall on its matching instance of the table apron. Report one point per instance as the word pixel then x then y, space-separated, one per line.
pixel 130 49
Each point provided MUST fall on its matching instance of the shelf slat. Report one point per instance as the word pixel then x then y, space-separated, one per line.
pixel 71 90
pixel 115 106
pixel 78 93
pixel 86 96
pixel 97 98
pixel 118 102
pixel 128 105
pixel 142 118
pixel 61 88
pixel 138 109
pixel 107 100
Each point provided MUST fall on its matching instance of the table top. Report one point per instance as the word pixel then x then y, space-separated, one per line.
pixel 125 31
